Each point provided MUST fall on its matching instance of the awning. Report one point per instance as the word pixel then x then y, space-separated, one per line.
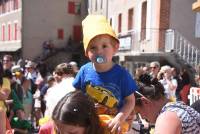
pixel 9 47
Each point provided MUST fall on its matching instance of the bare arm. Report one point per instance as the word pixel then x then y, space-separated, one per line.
pixel 5 89
pixel 4 93
pixel 128 107
pixel 169 123
pixel 124 113
pixel 3 121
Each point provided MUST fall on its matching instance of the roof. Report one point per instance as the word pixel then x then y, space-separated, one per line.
pixel 9 47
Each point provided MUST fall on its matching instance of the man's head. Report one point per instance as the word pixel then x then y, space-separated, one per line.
pixel 74 66
pixel 30 66
pixel 7 62
pixel 95 26
pixel 154 68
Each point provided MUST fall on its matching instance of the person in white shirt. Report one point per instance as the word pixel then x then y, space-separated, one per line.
pixel 55 93
pixel 168 82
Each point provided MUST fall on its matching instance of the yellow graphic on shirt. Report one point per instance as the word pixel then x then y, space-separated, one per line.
pixel 102 95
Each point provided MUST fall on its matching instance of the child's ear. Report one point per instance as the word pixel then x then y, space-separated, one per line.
pixel 116 47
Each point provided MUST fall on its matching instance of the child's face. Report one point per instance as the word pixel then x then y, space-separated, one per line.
pixel 20 114
pixel 102 45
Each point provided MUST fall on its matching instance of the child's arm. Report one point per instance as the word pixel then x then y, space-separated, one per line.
pixel 124 112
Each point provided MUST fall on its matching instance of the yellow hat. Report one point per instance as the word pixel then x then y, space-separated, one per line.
pixel 94 25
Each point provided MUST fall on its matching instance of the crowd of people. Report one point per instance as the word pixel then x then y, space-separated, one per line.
pixel 176 83
pixel 99 98
pixel 29 92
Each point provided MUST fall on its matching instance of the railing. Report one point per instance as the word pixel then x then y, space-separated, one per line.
pixel 175 42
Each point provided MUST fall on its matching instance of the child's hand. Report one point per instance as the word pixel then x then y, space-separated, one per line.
pixel 116 123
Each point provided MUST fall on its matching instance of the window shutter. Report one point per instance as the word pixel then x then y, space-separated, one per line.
pixel 71 7
pixel 60 34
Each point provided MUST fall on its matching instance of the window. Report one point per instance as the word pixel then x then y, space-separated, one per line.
pixel 16 4
pixel 71 7
pixel 3 7
pixel 197 26
pixel 95 5
pixel 11 5
pixel 74 7
pixel 3 32
pixel 101 4
pixel 143 21
pixel 120 23
pixel 130 19
pixel 15 31
pixel 8 5
pixel 60 34
pixel 9 32
pixel 77 32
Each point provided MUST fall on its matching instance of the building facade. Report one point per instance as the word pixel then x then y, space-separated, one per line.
pixel 149 29
pixel 10 26
pixel 26 25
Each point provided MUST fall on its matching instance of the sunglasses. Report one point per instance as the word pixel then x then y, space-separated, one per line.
pixel 153 67
pixel 6 60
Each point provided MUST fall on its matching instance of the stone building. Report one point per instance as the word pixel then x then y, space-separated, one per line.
pixel 26 25
pixel 163 30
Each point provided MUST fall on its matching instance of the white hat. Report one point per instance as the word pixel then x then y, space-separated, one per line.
pixel 30 64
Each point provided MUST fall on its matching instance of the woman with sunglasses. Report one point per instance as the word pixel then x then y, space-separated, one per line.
pixel 168 117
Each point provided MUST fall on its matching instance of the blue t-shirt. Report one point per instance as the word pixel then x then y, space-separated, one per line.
pixel 117 80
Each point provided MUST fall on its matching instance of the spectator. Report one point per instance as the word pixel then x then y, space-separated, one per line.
pixel 4 88
pixel 185 84
pixel 7 62
pixel 154 69
pixel 4 94
pixel 138 73
pixel 31 72
pixel 74 66
pixel 37 100
pixel 146 69
pixel 55 93
pixel 169 83
pixel 75 113
pixel 27 97
pixel 152 104
pixel 50 83
pixel 19 123
pixel 113 81
pixel 177 77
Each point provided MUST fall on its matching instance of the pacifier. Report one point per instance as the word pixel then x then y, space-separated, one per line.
pixel 100 59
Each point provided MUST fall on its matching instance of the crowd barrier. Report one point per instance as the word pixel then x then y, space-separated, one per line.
pixel 194 94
